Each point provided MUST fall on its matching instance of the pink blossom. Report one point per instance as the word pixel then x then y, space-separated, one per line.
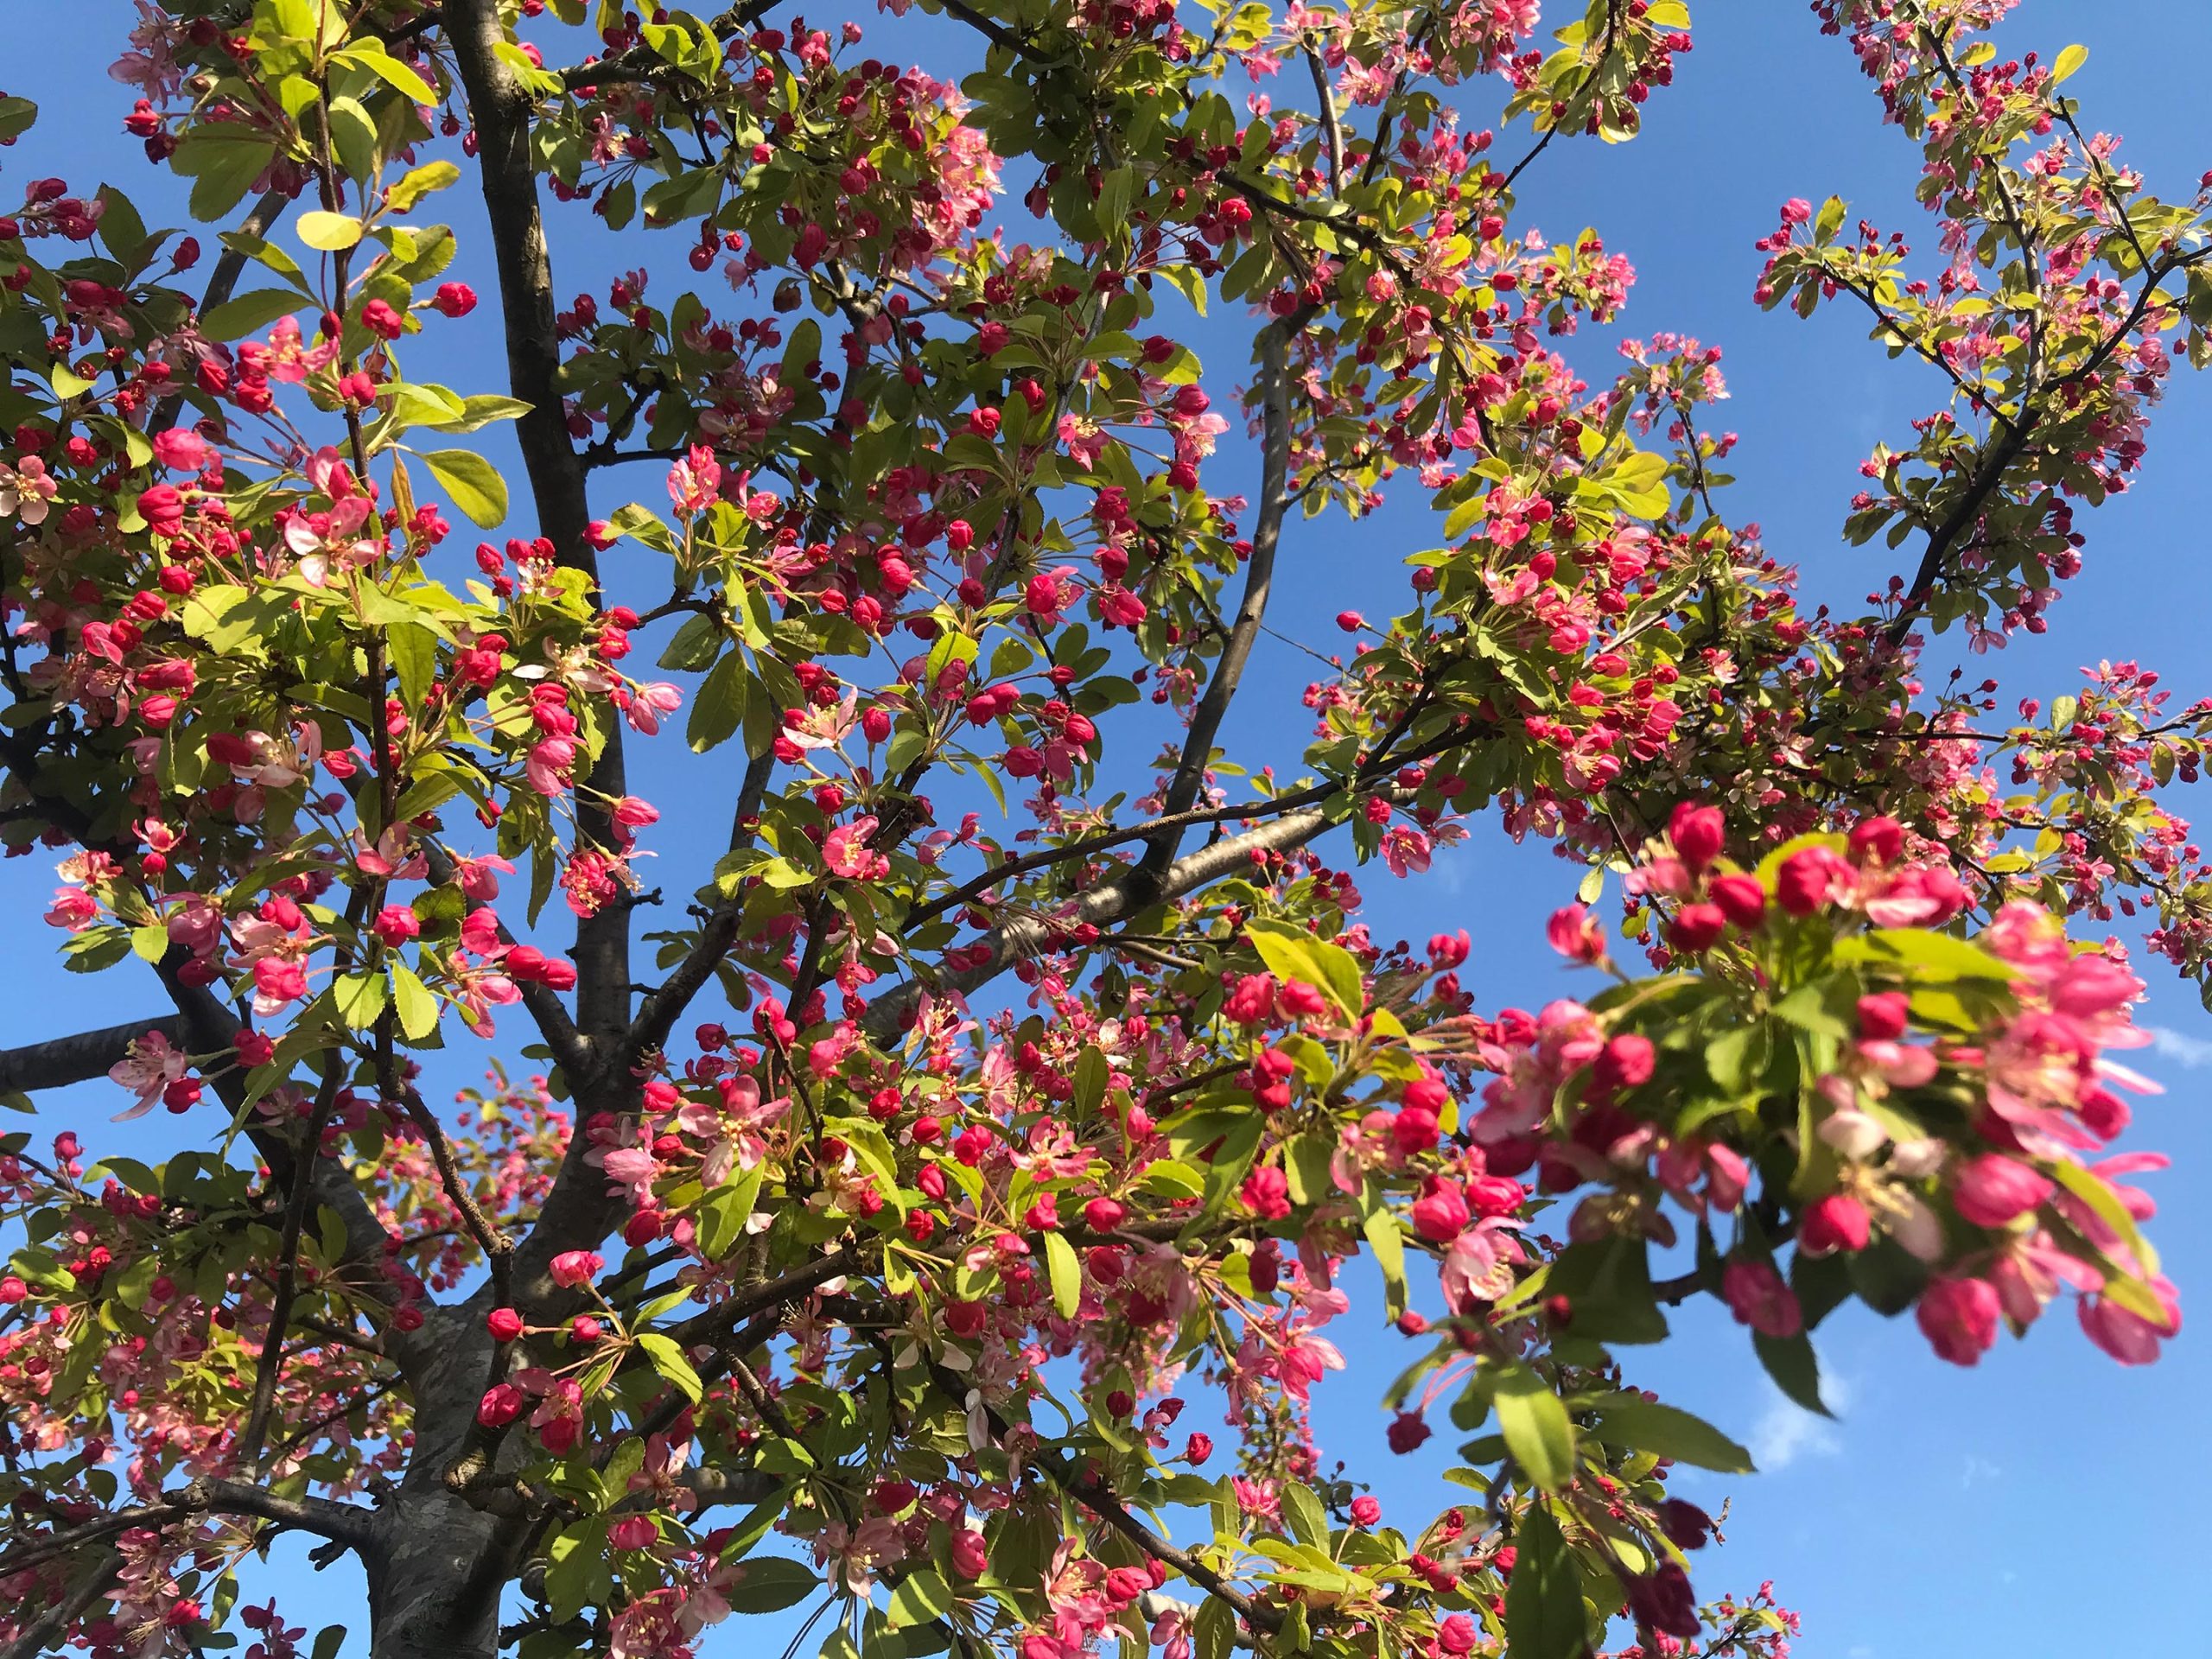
pixel 1959 1317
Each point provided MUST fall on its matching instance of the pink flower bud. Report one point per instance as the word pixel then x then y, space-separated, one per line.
pixel 1959 1318
pixel 1882 1016
pixel 971 1556
pixel 1698 832
pixel 1697 929
pixel 1876 840
pixel 1994 1191
pixel 1809 879
pixel 1838 1222
pixel 573 1268
pixel 1741 898
pixel 502 1405
pixel 1626 1062
pixel 1441 1214
pixel 504 1323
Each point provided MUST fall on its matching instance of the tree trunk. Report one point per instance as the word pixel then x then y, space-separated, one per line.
pixel 434 1590
pixel 439 1565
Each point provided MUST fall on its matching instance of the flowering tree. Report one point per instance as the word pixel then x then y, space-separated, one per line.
pixel 882 1194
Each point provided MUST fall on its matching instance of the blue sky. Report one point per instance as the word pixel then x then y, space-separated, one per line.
pixel 2044 1504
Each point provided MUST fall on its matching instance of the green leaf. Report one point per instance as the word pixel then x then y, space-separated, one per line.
pixel 1535 1425
pixel 768 1584
pixel 2067 63
pixel 417 1005
pixel 1793 1367
pixel 414 651
pixel 669 1360
pixel 328 1642
pixel 1302 1512
pixel 577 1571
pixel 17 115
pixel 694 646
pixel 719 708
pixel 1646 1426
pixel 921 1596
pixel 360 999
pixel 1292 953
pixel 1213 1632
pixel 249 313
pixel 1388 1244
pixel 478 411
pixel 474 483
pixel 1091 1073
pixel 331 233
pixel 724 1211
pixel 640 524
pixel 1924 954
pixel 372 57
pixel 1067 1274
pixel 1543 1598
pixel 419 183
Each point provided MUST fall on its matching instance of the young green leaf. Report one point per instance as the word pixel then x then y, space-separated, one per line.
pixel 1647 1426
pixel 1536 1427
pixel 474 483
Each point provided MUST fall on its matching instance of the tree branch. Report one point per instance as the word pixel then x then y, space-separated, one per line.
pixel 268 1369
pixel 500 109
pixel 1259 582
pixel 349 1524
pixel 1095 1494
pixel 55 1621
pixel 1022 936
pixel 661 1009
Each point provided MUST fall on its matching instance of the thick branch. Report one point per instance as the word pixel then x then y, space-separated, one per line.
pixel 54 1624
pixel 711 1486
pixel 61 1061
pixel 345 1523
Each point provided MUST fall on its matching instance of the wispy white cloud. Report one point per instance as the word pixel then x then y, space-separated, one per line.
pixel 1785 1432
pixel 2180 1047
pixel 1980 1469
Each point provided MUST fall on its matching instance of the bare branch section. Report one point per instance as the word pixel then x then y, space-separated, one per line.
pixel 1259 585
pixel 61 1061
pixel 350 1524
